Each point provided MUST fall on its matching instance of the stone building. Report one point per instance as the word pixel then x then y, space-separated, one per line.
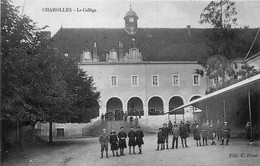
pixel 145 70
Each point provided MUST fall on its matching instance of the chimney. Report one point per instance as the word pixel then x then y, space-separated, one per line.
pixel 46 35
pixel 95 58
pixel 189 29
pixel 121 51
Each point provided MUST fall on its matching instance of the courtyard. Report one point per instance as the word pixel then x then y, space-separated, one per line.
pixel 86 152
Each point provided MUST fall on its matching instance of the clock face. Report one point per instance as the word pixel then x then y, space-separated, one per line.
pixel 131 19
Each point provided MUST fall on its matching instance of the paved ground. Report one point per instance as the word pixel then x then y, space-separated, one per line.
pixel 86 152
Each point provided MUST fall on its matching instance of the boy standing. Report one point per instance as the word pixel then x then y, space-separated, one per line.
pixel 139 139
pixel 122 142
pixel 114 143
pixel 131 141
pixel 160 139
pixel 175 134
pixel 225 133
pixel 166 132
pixel 197 132
pixel 183 134
pixel 204 133
pixel 104 139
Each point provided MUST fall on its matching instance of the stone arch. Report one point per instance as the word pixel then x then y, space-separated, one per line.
pixel 193 97
pixel 155 106
pixel 135 106
pixel 174 102
pixel 114 108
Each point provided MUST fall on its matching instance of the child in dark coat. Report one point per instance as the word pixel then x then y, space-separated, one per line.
pixel 166 132
pixel 183 134
pixel 204 133
pixel 131 141
pixel 139 139
pixel 225 133
pixel 212 133
pixel 197 132
pixel 160 139
pixel 114 143
pixel 122 141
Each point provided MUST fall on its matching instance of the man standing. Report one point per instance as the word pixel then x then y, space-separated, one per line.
pixel 131 141
pixel 104 139
pixel 183 134
pixel 139 139
pixel 175 135
pixel 122 142
pixel 225 133
pixel 165 130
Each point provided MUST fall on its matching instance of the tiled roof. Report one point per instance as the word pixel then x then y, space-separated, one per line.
pixel 156 44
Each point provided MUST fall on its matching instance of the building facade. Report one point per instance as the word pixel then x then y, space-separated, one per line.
pixel 131 85
pixel 144 70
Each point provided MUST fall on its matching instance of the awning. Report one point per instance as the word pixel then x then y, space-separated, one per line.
pixel 240 88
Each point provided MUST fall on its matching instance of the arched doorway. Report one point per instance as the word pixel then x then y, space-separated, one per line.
pixel 175 102
pixel 155 106
pixel 195 110
pixel 114 109
pixel 135 107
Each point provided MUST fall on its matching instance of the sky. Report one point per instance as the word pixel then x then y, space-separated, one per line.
pixel 110 13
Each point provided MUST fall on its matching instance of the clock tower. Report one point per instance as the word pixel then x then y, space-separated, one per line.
pixel 131 22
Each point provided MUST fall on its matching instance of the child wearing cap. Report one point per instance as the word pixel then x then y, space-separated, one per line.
pixel 160 139
pixel 225 133
pixel 175 136
pixel 104 139
pixel 131 141
pixel 114 143
pixel 139 139
pixel 122 140
pixel 166 132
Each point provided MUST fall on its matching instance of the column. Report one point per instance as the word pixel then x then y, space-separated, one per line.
pixel 166 109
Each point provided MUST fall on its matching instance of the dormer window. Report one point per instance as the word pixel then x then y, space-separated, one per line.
pixel 86 56
pixel 112 56
pixel 134 53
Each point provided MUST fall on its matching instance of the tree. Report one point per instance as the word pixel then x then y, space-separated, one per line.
pixel 38 83
pixel 221 17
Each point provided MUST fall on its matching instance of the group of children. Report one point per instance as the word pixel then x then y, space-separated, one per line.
pixel 204 132
pixel 164 132
pixel 210 131
pixel 118 141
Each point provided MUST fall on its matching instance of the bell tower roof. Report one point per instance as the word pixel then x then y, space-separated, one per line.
pixel 130 12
